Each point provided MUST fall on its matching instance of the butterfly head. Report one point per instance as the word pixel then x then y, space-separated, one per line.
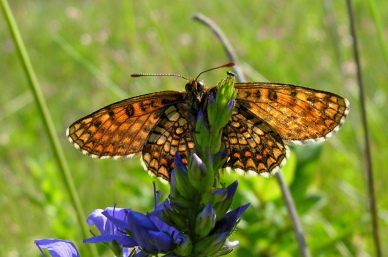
pixel 195 90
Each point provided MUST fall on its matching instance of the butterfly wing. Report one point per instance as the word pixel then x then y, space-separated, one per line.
pixel 252 144
pixel 121 129
pixel 173 133
pixel 297 113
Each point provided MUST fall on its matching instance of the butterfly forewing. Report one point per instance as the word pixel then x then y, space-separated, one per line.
pixel 252 144
pixel 297 113
pixel 121 129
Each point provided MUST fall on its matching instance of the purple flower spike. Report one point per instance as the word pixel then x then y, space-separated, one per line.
pixel 57 248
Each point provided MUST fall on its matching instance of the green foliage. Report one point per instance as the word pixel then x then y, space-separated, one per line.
pixel 83 53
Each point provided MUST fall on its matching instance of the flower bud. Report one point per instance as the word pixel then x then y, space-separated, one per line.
pixel 183 245
pixel 219 195
pixel 181 178
pixel 205 221
pixel 174 219
pixel 209 245
pixel 197 170
pixel 202 135
pixel 231 105
pixel 223 207
pixel 214 196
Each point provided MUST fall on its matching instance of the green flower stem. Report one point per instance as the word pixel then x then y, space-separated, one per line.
pixel 39 99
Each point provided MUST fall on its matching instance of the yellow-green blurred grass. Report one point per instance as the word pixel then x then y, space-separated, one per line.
pixel 286 41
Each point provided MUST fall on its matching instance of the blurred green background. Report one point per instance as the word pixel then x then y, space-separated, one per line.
pixel 83 53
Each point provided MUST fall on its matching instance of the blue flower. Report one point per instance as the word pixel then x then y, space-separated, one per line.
pixel 130 228
pixel 57 248
pixel 118 241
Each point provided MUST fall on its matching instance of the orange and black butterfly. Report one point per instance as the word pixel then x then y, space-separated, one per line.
pixel 157 125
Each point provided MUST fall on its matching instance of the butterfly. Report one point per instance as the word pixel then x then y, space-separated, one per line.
pixel 265 117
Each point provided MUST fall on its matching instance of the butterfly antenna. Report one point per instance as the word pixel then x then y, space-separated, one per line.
pixel 136 75
pixel 157 75
pixel 231 64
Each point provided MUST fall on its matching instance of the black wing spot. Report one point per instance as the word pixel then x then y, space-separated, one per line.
pixel 97 124
pixel 130 110
pixel 258 94
pixel 272 95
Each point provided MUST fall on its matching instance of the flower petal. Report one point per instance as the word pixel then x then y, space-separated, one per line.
pixel 120 223
pixel 230 220
pixel 141 254
pixel 104 225
pixel 162 226
pixel 141 225
pixel 157 218
pixel 162 241
pixel 57 248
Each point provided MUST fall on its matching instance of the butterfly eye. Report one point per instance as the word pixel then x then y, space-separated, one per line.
pixel 189 87
pixel 200 86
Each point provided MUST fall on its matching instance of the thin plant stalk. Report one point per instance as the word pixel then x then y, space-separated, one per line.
pixel 297 225
pixel 368 155
pixel 43 110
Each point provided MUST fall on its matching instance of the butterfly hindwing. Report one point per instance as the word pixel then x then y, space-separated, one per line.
pixel 252 144
pixel 298 114
pixel 120 130
pixel 173 133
